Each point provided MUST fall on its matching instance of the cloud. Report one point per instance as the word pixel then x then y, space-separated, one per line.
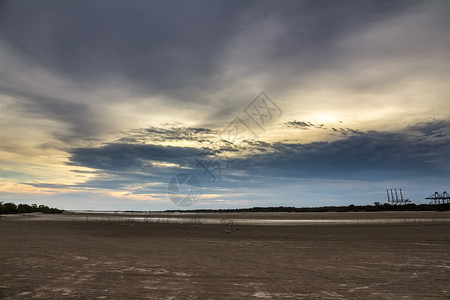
pixel 160 45
pixel 375 153
pixel 436 128
pixel 121 95
pixel 173 133
pixel 131 157
pixel 345 131
pixel 211 58
pixel 300 125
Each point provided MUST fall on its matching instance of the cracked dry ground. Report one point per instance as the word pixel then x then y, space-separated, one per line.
pixel 113 260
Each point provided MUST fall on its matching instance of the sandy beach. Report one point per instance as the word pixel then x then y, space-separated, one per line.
pixel 90 258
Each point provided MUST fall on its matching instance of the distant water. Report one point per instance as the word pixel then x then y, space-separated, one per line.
pixel 225 221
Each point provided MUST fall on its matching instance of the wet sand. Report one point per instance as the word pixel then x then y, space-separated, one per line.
pixel 99 259
pixel 249 218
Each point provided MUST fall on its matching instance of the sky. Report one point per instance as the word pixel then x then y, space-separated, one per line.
pixel 155 105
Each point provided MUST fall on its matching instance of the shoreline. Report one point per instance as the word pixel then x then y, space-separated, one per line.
pixel 258 219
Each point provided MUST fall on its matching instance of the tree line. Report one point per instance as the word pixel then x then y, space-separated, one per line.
pixel 11 208
pixel 349 208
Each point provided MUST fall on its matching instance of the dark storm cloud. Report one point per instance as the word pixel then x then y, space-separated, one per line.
pixel 165 45
pixel 3 7
pixel 362 153
pixel 131 157
pixel 380 154
pixel 158 45
pixel 118 166
pixel 436 128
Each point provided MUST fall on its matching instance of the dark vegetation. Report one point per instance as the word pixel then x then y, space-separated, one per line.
pixel 11 208
pixel 350 208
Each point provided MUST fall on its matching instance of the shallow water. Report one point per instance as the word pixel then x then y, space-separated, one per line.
pixel 278 222
pixel 226 221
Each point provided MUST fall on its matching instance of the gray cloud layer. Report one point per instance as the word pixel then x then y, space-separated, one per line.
pixel 157 45
pixel 187 52
pixel 419 150
pixel 165 45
